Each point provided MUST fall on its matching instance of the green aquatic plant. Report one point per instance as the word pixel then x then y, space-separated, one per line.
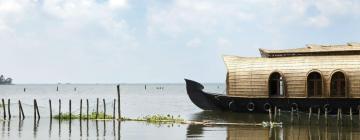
pixel 92 116
pixel 66 116
pixel 163 118
pixel 158 118
pixel 149 118
pixel 101 115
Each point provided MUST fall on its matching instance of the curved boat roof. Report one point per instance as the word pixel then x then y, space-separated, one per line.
pixel 248 76
pixel 314 50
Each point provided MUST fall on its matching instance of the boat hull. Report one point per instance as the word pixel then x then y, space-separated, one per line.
pixel 213 101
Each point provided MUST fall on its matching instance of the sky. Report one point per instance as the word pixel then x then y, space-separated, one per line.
pixel 158 41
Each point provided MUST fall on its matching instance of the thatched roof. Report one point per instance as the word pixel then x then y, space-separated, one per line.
pixel 314 50
pixel 248 76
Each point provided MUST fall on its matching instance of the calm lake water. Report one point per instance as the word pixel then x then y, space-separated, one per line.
pixel 136 101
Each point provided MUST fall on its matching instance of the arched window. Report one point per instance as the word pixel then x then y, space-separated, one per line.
pixel 338 85
pixel 314 84
pixel 276 85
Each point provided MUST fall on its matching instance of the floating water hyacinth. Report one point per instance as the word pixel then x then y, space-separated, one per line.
pixel 92 116
pixel 163 118
pixel 149 118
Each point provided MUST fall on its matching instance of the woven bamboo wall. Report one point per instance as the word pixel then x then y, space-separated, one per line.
pixel 248 76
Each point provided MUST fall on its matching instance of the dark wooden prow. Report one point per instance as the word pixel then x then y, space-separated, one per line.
pixel 200 98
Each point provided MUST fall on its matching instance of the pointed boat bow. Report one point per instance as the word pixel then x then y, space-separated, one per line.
pixel 200 98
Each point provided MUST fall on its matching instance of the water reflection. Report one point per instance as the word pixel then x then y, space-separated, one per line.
pixel 59 128
pixel 8 127
pixel 297 130
pixel 87 127
pixel 35 128
pixel 114 131
pixel 104 131
pixel 194 131
pixel 80 128
pixel 45 129
pixel 39 126
pixel 50 127
pixel 21 124
pixel 97 128
pixel 70 128
pixel 3 128
pixel 119 129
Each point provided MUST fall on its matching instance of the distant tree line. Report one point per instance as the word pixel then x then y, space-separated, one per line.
pixel 4 81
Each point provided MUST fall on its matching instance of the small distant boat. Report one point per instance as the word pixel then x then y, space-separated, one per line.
pixel 323 78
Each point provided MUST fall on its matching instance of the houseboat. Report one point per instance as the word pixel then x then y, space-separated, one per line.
pixel 315 78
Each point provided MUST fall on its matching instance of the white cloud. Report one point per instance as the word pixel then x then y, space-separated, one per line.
pixel 12 12
pixel 67 14
pixel 10 6
pixel 205 16
pixel 198 16
pixel 82 8
pixel 78 39
pixel 114 4
pixel 63 39
pixel 62 9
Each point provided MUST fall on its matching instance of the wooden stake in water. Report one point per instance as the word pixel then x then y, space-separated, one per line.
pixel 80 109
pixel 3 105
pixel 59 108
pixel 118 95
pixel 9 112
pixel 34 109
pixel 97 108
pixel 37 109
pixel 70 108
pixel 50 109
pixel 21 110
pixel 114 104
pixel 104 108
pixel 80 125
pixel 87 109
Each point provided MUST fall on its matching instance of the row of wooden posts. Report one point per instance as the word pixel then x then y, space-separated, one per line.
pixel 37 113
pixel 339 116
